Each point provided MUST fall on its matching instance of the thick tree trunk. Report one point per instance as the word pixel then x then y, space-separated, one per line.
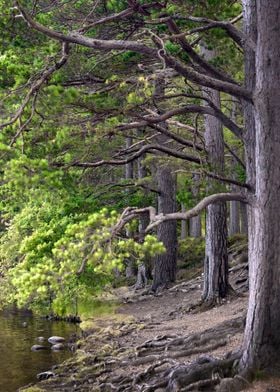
pixel 165 264
pixel 262 339
pixel 216 257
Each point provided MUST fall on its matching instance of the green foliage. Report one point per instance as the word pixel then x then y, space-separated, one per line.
pixel 191 252
pixel 52 217
pixel 45 248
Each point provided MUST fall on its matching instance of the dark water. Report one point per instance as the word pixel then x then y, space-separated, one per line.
pixel 18 364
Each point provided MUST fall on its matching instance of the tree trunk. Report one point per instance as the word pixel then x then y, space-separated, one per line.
pixel 195 222
pixel 131 270
pixel 216 257
pixel 234 206
pixel 128 166
pixel 234 214
pixel 262 339
pixel 144 270
pixel 243 219
pixel 165 264
pixel 195 226
pixel 184 225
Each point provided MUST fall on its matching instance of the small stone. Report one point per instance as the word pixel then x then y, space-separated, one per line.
pixel 56 339
pixel 24 324
pixel 45 375
pixel 41 339
pixel 38 347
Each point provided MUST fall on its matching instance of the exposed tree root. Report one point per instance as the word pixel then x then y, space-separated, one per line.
pixel 161 364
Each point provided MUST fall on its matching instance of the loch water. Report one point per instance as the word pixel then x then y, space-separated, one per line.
pixel 19 331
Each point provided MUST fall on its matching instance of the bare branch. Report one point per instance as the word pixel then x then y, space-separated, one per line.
pixel 158 219
pixel 131 213
pixel 212 111
pixel 148 148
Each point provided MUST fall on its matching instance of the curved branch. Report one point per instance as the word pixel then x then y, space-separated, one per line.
pixel 212 111
pixel 131 213
pixel 94 43
pixel 158 219
pixel 139 153
pixel 210 69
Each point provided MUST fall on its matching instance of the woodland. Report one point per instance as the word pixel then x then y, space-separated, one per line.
pixel 133 131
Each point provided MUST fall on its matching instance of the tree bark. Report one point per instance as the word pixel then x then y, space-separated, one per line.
pixel 184 225
pixel 216 256
pixel 131 270
pixel 195 226
pixel 243 219
pixel 144 270
pixel 165 264
pixel 234 214
pixel 195 222
pixel 128 166
pixel 262 339
pixel 234 206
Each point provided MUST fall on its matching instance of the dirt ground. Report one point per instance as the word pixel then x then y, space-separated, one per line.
pixel 123 347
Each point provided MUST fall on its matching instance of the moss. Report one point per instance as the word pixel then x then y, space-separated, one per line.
pixel 33 389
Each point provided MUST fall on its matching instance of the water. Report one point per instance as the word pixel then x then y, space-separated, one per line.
pixel 18 364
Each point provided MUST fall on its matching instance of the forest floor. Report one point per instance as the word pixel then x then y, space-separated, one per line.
pixel 154 343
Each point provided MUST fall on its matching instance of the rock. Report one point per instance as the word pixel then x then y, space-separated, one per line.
pixel 41 339
pixel 24 324
pixel 235 384
pixel 56 339
pixel 58 347
pixel 45 375
pixel 38 347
